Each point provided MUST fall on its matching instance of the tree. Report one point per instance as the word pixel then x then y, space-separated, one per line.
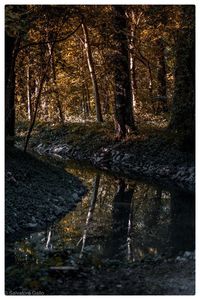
pixel 123 99
pixel 11 50
pixel 121 219
pixel 183 110
pixel 161 77
pixel 92 72
pixel 13 34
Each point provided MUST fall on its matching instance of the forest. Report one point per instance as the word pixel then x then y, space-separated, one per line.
pixel 99 149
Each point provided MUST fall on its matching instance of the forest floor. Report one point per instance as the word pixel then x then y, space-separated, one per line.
pixel 28 180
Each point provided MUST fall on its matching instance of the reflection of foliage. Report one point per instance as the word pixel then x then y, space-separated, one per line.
pixel 149 222
pixel 147 233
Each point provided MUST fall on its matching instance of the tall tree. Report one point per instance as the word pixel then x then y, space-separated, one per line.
pixel 90 211
pixel 161 77
pixel 183 110
pixel 121 218
pixel 134 15
pixel 16 27
pixel 92 72
pixel 11 50
pixel 123 95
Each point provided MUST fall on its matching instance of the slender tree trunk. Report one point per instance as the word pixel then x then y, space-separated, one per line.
pixel 133 80
pixel 123 100
pixel 53 69
pixel 87 98
pixel 38 97
pixel 36 110
pixel 84 107
pixel 161 78
pixel 11 51
pixel 132 61
pixel 92 73
pixel 151 87
pixel 90 211
pixel 28 92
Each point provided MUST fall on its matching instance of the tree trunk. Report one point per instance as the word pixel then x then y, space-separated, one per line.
pixel 121 218
pixel 133 29
pixel 133 80
pixel 183 110
pixel 28 92
pixel 53 70
pixel 161 78
pixel 11 51
pixel 36 110
pixel 92 73
pixel 123 99
pixel 90 211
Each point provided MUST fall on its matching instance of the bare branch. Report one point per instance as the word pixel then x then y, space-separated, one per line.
pixel 51 41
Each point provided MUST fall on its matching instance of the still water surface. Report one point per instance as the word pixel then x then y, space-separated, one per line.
pixel 118 219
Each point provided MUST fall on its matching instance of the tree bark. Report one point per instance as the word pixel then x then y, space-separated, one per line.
pixel 11 51
pixel 90 211
pixel 121 218
pixel 133 30
pixel 183 110
pixel 123 100
pixel 53 71
pixel 133 80
pixel 28 92
pixel 92 73
pixel 161 78
pixel 61 115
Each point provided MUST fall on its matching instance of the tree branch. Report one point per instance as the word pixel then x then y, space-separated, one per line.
pixel 51 41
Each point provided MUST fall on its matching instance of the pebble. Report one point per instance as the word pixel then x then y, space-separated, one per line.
pixel 182 175
pixel 75 196
pixel 32 225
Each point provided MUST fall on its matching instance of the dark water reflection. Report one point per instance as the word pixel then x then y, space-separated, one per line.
pixel 117 219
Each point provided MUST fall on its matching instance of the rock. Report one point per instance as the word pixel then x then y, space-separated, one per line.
pixel 98 159
pixel 188 255
pixel 31 225
pixel 75 196
pixel 33 219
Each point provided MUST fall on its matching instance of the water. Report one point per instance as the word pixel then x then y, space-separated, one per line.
pixel 118 220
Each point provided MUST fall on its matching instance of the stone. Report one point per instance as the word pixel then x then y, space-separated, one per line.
pixel 75 196
pixel 32 225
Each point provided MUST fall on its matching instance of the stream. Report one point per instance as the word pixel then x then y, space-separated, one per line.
pixel 118 221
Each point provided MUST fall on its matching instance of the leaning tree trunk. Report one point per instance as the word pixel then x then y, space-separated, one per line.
pixel 123 93
pixel 92 73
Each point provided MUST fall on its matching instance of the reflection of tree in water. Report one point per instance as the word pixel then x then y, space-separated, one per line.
pixel 90 211
pixel 121 220
pixel 182 222
pixel 147 234
pixel 152 217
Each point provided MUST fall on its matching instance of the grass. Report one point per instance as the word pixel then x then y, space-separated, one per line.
pixel 93 135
